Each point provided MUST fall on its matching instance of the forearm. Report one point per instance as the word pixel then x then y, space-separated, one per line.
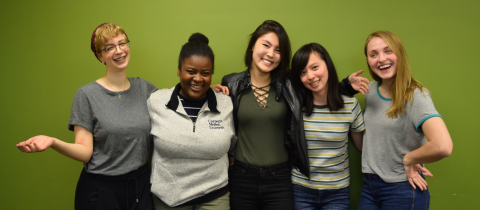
pixel 428 153
pixel 347 86
pixel 439 143
pixel 75 151
pixel 357 139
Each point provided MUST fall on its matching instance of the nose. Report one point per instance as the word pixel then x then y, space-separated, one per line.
pixel 197 78
pixel 381 57
pixel 117 48
pixel 270 52
pixel 310 75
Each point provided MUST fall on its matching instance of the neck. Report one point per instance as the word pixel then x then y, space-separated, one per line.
pixel 259 78
pixel 386 87
pixel 117 80
pixel 320 98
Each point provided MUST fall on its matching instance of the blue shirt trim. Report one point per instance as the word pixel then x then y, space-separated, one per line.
pixel 378 91
pixel 320 106
pixel 418 128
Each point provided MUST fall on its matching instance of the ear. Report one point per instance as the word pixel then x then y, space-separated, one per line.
pixel 178 72
pixel 99 56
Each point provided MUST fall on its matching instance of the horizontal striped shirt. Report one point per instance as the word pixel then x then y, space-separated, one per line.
pixel 192 107
pixel 327 141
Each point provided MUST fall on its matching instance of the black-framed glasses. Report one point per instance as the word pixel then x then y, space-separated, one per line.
pixel 112 48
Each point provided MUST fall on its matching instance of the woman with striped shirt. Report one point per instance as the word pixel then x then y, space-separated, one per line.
pixel 328 116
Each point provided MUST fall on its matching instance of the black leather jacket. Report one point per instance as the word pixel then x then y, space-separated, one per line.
pixel 295 138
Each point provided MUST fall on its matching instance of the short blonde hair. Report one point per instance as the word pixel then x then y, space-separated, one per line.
pixel 103 33
pixel 404 84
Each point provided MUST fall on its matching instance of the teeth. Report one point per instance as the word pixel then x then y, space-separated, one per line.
pixel 312 84
pixel 120 59
pixel 196 86
pixel 384 66
pixel 268 62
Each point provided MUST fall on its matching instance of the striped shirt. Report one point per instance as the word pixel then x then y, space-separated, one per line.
pixel 192 107
pixel 327 141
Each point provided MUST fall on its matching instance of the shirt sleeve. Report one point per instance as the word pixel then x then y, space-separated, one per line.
pixel 150 87
pixel 81 113
pixel 357 124
pixel 421 109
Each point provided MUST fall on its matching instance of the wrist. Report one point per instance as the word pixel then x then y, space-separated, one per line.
pixel 348 80
pixel 54 141
pixel 406 160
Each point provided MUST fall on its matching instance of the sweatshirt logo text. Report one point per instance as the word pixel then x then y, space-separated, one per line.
pixel 215 124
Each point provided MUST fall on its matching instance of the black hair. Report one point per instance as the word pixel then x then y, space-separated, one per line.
pixel 300 61
pixel 197 45
pixel 284 42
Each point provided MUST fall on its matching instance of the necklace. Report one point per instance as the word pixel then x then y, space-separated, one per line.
pixel 119 95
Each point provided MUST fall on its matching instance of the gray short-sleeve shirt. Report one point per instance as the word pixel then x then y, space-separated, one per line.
pixel 387 140
pixel 120 127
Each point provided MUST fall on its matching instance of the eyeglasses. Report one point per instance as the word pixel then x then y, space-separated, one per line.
pixel 113 48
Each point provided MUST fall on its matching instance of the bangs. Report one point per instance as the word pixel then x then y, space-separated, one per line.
pixel 106 32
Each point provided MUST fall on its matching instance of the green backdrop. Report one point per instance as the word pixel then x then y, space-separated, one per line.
pixel 45 57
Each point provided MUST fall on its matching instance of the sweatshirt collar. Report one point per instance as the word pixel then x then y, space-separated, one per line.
pixel 211 99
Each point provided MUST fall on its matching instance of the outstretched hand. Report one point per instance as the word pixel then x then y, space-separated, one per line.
pixel 36 144
pixel 414 177
pixel 358 83
pixel 219 88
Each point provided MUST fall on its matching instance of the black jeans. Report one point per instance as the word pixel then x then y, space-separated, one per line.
pixel 254 187
pixel 129 191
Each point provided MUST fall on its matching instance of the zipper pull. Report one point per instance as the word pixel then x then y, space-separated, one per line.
pixel 194 127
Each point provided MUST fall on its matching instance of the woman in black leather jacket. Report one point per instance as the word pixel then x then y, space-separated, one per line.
pixel 268 124
pixel 265 106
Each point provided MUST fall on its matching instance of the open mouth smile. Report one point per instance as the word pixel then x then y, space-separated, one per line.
pixel 384 67
pixel 196 86
pixel 120 59
pixel 267 62
pixel 314 84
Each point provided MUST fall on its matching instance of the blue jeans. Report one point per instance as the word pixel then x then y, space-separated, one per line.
pixel 310 199
pixel 377 194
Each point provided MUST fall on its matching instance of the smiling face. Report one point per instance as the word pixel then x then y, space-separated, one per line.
pixel 266 53
pixel 315 75
pixel 381 59
pixel 195 77
pixel 119 58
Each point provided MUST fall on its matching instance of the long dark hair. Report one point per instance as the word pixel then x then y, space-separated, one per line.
pixel 197 45
pixel 300 61
pixel 284 42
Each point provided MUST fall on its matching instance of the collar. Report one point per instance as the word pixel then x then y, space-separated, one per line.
pixel 211 99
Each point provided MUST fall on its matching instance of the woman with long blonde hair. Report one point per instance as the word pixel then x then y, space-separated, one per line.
pixel 399 113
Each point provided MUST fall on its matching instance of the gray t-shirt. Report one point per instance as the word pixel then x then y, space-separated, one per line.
pixel 387 140
pixel 120 127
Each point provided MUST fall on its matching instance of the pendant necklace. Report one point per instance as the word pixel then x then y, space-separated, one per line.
pixel 119 95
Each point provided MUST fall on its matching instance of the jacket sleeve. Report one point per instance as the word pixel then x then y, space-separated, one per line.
pixel 347 87
pixel 224 81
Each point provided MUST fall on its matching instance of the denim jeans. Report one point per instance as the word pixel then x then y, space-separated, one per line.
pixel 266 187
pixel 305 198
pixel 377 194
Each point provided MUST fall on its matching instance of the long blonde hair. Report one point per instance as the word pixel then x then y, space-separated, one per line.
pixel 404 85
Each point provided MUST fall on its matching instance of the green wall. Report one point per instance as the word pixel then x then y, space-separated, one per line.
pixel 45 57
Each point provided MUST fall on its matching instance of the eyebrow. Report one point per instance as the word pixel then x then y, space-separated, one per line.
pixel 122 40
pixel 191 68
pixel 316 63
pixel 270 43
